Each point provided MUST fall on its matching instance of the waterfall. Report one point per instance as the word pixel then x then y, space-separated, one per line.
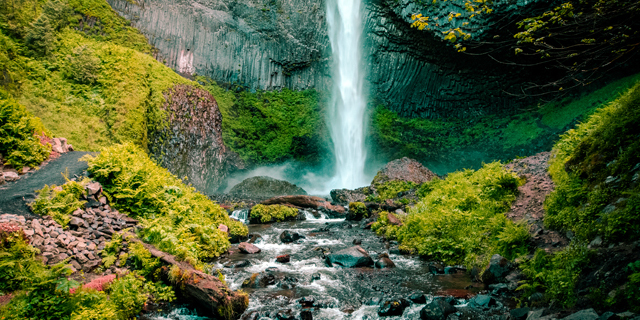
pixel 346 114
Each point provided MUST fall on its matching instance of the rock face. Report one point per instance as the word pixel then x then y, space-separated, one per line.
pixel 270 45
pixel 404 169
pixel 191 142
pixel 265 187
pixel 354 257
pixel 345 196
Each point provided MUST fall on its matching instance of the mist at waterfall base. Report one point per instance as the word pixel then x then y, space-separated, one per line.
pixel 346 114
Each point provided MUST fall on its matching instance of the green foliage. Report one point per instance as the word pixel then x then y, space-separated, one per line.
pixel 391 189
pixel 111 250
pixel 273 213
pixel 604 148
pixel 382 227
pixel 59 202
pixel 268 127
pixel 142 260
pixel 92 305
pixel 461 218
pixel 129 294
pixel 176 218
pixel 555 274
pixel 83 65
pixel 17 140
pixel 358 210
pixel 40 38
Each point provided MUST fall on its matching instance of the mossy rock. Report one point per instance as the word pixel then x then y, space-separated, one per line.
pixel 265 187
pixel 357 211
pixel 272 213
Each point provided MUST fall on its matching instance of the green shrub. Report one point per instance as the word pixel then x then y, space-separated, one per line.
pixel 83 65
pixel 606 146
pixel 59 204
pixel 461 218
pixel 357 211
pixel 129 295
pixel 142 260
pixel 555 274
pixel 175 217
pixel 18 143
pixel 391 189
pixel 273 213
pixel 382 227
pixel 92 305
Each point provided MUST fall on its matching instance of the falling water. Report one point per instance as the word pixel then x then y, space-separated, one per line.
pixel 347 110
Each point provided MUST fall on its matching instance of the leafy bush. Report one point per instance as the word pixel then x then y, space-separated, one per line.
pixel 83 65
pixel 17 140
pixel 129 294
pixel 594 167
pixel 461 218
pixel 92 305
pixel 555 274
pixel 142 260
pixel 391 189
pixel 273 213
pixel 382 227
pixel 357 211
pixel 59 202
pixel 176 218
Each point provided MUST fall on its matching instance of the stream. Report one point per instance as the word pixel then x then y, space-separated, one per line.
pixel 327 292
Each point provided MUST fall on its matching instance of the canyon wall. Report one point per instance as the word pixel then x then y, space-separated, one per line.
pixel 272 44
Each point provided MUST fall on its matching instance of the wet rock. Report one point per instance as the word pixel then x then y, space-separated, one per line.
pixel 283 258
pixel 520 313
pixel 237 264
pixel 307 302
pixel 288 283
pixel 353 257
pixel 496 271
pixel 357 242
pixel 436 268
pixel 384 262
pixel 437 309
pixel 255 239
pixel 609 316
pixel 404 169
pixel 393 307
pixel 588 314
pixel 288 236
pixel 10 176
pixel 248 248
pixel 418 297
pixel 265 187
pixel 259 280
pixel 316 276
pixel 345 196
pixel 482 301
pixel 454 270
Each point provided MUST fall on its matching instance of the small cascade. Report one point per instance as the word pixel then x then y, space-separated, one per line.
pixel 241 215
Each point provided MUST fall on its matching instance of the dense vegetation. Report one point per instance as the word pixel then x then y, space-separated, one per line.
pixel 44 292
pixel 176 218
pixel 461 219
pixel 19 135
pixel 59 201
pixel 502 137
pixel 272 126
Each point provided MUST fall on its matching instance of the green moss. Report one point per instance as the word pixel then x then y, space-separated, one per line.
pixel 606 146
pixel 176 218
pixel 357 211
pixel 272 213
pixel 382 227
pixel 461 218
pixel 391 189
pixel 269 127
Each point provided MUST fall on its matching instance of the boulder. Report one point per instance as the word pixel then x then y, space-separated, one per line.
pixel 482 301
pixel 223 228
pixel 497 270
pixel 393 219
pixel 288 236
pixel 237 264
pixel 311 202
pixel 248 248
pixel 93 188
pixel 438 309
pixel 384 262
pixel 10 176
pixel 404 169
pixel 265 187
pixel 520 313
pixel 283 258
pixel 418 298
pixel 353 257
pixel 345 196
pixel 588 314
pixel 392 307
pixel 259 280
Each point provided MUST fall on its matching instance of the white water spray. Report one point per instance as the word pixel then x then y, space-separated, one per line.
pixel 347 109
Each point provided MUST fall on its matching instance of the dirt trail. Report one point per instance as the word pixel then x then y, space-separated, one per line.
pixel 529 204
pixel 14 196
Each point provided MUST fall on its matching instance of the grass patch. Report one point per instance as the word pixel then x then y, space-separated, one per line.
pixel 176 218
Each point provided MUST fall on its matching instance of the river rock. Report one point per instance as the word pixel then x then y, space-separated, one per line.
pixel 588 314
pixel 404 169
pixel 418 298
pixel 345 196
pixel 497 270
pixel 392 307
pixel 248 248
pixel 353 257
pixel 482 301
pixel 288 236
pixel 283 258
pixel 437 309
pixel 10 176
pixel 237 264
pixel 393 219
pixel 384 262
pixel 265 187
pixel 519 313
pixel 259 280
